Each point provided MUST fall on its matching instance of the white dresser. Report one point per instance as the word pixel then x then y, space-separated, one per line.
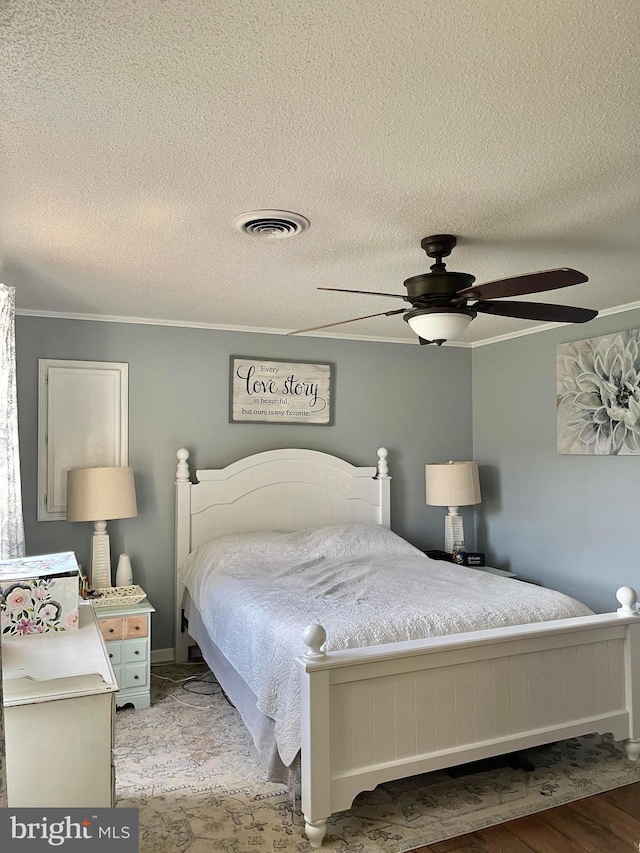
pixel 59 717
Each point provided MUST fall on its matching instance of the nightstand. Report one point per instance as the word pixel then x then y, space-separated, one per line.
pixel 502 572
pixel 127 633
pixel 442 555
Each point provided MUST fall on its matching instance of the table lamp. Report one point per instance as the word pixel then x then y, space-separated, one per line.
pixel 98 495
pixel 452 484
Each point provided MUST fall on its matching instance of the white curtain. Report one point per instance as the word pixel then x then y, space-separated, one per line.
pixel 11 527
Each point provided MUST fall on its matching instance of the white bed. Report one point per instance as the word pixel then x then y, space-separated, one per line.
pixel 378 701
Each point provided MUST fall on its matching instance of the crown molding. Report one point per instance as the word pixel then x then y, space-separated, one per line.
pixel 222 327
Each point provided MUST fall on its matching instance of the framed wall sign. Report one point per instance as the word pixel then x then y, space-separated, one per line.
pixel 280 392
pixel 83 422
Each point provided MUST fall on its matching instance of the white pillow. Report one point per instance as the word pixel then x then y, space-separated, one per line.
pixel 248 552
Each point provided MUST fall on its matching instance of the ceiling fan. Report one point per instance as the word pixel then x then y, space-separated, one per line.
pixel 443 303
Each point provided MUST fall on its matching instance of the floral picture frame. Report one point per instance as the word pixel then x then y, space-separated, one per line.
pixel 598 395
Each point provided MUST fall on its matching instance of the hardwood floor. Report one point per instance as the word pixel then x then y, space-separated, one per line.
pixel 605 823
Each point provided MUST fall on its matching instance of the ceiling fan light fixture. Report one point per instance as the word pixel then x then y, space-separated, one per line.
pixel 439 324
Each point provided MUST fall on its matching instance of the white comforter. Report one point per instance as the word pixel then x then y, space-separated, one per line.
pixel 257 592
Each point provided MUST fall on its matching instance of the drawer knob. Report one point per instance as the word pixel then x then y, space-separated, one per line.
pixel 137 627
pixel 110 655
pixel 137 651
pixel 111 630
pixel 136 677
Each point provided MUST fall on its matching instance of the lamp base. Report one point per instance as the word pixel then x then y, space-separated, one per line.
pixel 100 556
pixel 453 531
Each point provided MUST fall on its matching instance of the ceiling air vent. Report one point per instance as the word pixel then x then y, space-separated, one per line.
pixel 271 224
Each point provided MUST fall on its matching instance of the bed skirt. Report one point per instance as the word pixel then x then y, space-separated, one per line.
pixel 260 727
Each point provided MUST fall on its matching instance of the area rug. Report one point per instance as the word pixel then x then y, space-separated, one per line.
pixel 188 764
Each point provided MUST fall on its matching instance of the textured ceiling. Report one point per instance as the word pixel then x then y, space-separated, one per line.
pixel 134 131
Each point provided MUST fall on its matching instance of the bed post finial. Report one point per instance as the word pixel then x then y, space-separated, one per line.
pixel 627 596
pixel 383 465
pixel 314 637
pixel 182 473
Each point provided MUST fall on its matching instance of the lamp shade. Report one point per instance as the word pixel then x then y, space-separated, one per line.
pixel 98 494
pixel 452 484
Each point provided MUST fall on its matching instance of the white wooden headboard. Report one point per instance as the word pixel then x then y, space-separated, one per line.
pixel 283 490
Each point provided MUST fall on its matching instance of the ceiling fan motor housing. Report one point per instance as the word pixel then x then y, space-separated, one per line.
pixel 436 284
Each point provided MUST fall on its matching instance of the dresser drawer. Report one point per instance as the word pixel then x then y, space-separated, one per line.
pixel 136 626
pixel 114 650
pixel 134 651
pixel 134 675
pixel 112 629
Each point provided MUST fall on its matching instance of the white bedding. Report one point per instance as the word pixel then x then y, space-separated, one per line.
pixel 257 592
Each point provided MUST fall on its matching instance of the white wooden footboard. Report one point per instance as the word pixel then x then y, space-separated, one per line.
pixel 385 712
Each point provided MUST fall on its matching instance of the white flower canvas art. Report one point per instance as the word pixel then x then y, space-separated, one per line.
pixel 598 395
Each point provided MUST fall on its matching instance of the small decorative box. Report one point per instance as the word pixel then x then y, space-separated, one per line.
pixel 39 594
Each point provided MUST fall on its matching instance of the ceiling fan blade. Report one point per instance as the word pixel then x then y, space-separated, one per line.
pixel 518 285
pixel 424 342
pixel 537 311
pixel 366 292
pixel 342 322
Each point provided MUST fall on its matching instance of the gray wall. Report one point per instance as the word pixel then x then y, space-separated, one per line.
pixel 414 400
pixel 569 522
